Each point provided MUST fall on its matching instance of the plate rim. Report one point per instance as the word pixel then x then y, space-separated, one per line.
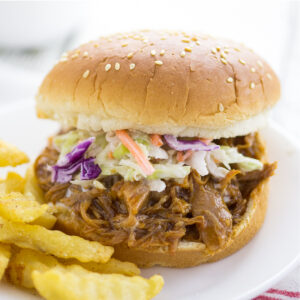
pixel 271 281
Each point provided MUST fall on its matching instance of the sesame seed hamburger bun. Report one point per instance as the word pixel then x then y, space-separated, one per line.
pixel 173 84
pixel 160 82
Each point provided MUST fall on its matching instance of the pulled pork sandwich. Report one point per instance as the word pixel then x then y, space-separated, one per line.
pixel 159 153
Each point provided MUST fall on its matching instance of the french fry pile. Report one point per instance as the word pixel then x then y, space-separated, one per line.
pixel 57 265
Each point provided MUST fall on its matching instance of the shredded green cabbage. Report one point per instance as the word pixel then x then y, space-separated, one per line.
pixel 120 152
pixel 230 155
pixel 170 171
pixel 66 142
pixel 100 140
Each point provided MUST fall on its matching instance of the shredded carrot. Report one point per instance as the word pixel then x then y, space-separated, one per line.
pixel 183 156
pixel 179 156
pixel 205 141
pixel 136 151
pixel 156 140
pixel 216 160
pixel 110 155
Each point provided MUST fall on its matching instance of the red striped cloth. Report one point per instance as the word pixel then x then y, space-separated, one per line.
pixel 287 289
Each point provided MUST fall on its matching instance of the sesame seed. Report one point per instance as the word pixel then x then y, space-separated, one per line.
pixel 153 52
pixel 229 79
pixel 107 67
pixel 198 43
pixel 86 74
pixel 65 54
pixel 188 49
pixel 185 41
pixel 218 48
pixel 194 39
pixel 242 61
pixel 163 38
pixel 252 85
pixel 131 66
pixel 224 61
pixel 117 66
pixel 85 54
pixel 237 49
pixel 129 55
pixel 162 52
pixel 75 55
pixel 226 51
pixel 213 50
pixel 63 59
pixel 260 63
pixel 110 40
pixel 96 45
pixel 145 40
pixel 182 53
pixel 124 44
pixel 158 62
pixel 77 51
pixel 223 55
pixel 221 107
pixel 252 70
pixel 269 75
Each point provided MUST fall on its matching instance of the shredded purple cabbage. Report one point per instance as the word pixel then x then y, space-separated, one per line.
pixel 89 170
pixel 64 174
pixel 73 161
pixel 195 145
pixel 76 153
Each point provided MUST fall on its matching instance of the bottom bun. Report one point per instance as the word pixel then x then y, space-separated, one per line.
pixel 189 254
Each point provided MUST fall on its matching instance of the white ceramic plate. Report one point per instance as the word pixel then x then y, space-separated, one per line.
pixel 250 271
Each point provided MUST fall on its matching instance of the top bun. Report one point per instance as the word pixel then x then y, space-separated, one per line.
pixel 160 82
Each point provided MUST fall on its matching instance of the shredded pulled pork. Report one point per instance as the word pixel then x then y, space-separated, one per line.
pixel 200 209
pixel 207 201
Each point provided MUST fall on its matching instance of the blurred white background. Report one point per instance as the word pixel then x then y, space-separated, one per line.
pixel 33 34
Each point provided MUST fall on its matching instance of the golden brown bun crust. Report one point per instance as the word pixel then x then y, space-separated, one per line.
pixel 195 253
pixel 216 84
